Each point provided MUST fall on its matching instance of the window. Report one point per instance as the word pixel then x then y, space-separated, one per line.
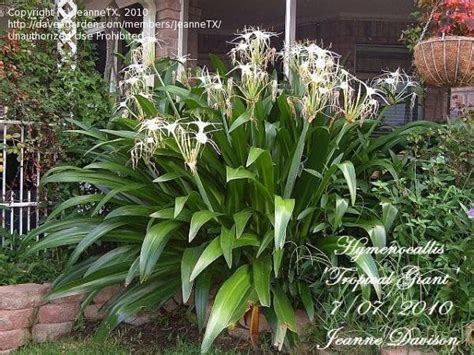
pixel 371 59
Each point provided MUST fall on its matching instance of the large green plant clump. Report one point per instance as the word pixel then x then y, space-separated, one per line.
pixel 237 179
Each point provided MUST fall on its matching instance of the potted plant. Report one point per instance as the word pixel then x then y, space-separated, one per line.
pixel 446 57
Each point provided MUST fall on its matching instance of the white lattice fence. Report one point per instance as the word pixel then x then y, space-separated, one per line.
pixel 67 12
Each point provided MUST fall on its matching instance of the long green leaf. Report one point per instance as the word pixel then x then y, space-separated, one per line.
pixel 232 294
pixel 213 251
pixel 296 161
pixel 74 202
pixel 262 269
pixel 95 234
pixel 198 220
pixel 227 244
pixel 389 212
pixel 242 119
pixel 201 298
pixel 241 219
pixel 348 171
pixel 283 309
pixel 283 211
pixel 153 245
pixel 188 261
pixel 307 299
pixel 348 245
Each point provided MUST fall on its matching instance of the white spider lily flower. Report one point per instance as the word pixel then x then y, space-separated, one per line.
pixel 355 103
pixel 396 87
pixel 136 82
pixel 318 71
pixel 344 86
pixel 170 128
pixel 252 46
pixel 320 63
pixel 190 137
pixel 218 94
pixel 201 138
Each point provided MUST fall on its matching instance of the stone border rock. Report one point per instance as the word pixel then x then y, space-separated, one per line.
pixel 25 316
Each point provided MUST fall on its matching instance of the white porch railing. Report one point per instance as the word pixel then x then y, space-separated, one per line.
pixel 19 200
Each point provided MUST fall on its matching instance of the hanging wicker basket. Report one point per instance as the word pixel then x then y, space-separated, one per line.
pixel 447 61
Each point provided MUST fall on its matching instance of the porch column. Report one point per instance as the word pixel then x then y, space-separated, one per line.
pixel 168 16
pixel 290 28
pixel 182 31
pixel 149 20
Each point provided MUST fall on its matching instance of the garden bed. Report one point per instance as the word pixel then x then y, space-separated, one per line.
pixel 27 319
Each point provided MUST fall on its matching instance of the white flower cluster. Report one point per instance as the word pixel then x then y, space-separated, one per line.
pixel 319 85
pixel 251 56
pixel 190 138
pixel 137 78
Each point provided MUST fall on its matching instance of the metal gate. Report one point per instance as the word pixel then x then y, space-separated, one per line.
pixel 20 174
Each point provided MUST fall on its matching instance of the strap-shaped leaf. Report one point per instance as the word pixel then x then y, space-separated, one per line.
pixel 198 220
pixel 114 193
pixel 254 154
pixel 296 161
pixel 262 269
pixel 283 309
pixel 341 208
pixel 130 210
pixel 134 299
pixel 239 173
pixel 110 275
pixel 115 256
pixel 213 251
pixel 153 245
pixel 283 210
pixel 266 241
pixel 262 160
pixel 348 171
pixel 227 244
pixel 188 261
pixel 201 298
pixel 147 106
pixel 168 177
pixel 232 294
pixel 74 202
pixel 133 272
pixel 95 234
pixel 242 119
pixel 218 65
pixel 389 213
pixel 241 219
pixel 375 229
pixel 179 205
pixel 277 258
pixel 307 299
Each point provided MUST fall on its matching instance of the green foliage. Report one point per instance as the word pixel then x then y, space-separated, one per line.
pixel 38 87
pixel 433 194
pixel 17 268
pixel 254 205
